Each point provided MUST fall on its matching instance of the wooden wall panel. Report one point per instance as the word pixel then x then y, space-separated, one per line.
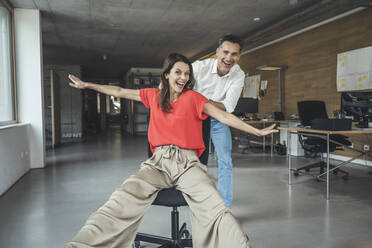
pixel 311 58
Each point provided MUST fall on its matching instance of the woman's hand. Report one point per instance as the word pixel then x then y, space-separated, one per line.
pixel 110 90
pixel 235 122
pixel 268 130
pixel 76 82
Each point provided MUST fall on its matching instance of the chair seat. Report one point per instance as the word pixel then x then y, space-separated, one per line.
pixel 180 236
pixel 170 197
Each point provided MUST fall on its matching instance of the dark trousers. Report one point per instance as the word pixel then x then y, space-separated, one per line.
pixel 206 138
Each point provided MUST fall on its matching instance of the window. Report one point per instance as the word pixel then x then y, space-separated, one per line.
pixel 7 97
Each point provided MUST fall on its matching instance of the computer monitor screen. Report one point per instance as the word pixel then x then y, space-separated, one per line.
pixel 246 105
pixel 357 105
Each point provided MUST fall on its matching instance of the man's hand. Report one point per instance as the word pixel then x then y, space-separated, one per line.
pixel 76 82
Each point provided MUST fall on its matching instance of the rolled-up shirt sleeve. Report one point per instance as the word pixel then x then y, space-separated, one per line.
pixel 233 93
pixel 195 68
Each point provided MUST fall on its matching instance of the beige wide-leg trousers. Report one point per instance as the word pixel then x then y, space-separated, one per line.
pixel 116 223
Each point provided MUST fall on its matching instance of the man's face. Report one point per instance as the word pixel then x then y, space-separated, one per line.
pixel 227 55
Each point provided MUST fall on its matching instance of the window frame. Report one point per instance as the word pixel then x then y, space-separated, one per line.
pixel 13 66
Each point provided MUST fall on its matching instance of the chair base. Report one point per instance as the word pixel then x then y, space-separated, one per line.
pixel 181 237
pixel 321 165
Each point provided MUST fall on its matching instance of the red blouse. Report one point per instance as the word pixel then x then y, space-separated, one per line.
pixel 182 126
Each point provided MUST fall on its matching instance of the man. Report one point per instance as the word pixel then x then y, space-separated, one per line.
pixel 221 80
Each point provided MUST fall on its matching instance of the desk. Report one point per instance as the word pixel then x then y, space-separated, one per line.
pixel 266 123
pixel 324 135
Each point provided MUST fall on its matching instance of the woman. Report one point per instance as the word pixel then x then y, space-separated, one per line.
pixel 175 137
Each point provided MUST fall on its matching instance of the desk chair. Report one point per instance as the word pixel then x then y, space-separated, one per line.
pixel 170 198
pixel 180 236
pixel 307 111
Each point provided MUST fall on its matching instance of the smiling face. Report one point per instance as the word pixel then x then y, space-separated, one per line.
pixel 228 55
pixel 177 77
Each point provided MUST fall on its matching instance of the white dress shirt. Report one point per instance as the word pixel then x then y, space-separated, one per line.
pixel 225 89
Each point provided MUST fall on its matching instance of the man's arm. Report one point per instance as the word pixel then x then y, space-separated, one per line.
pixel 111 90
pixel 219 105
pixel 234 92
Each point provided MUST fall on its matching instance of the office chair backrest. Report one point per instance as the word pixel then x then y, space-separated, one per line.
pixel 309 110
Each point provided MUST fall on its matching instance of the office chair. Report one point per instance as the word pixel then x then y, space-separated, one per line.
pixel 308 111
pixel 180 236
pixel 170 198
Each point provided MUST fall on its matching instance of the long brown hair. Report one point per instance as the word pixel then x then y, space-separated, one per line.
pixel 164 96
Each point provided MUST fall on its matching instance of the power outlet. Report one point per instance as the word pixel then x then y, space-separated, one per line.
pixel 366 147
pixel 24 154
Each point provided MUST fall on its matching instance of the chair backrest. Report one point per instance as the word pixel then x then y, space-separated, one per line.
pixel 310 110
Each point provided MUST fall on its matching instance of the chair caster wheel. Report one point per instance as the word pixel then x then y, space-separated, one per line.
pixel 185 234
pixel 318 179
pixel 295 173
pixel 335 172
pixel 136 244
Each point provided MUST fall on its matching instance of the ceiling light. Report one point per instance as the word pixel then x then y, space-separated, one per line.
pixel 256 19
pixel 104 57
pixel 113 25
pixel 270 67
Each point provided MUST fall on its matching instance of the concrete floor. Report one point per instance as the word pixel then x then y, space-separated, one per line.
pixel 46 207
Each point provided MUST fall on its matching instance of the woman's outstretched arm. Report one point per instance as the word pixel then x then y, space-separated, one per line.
pixel 111 90
pixel 233 121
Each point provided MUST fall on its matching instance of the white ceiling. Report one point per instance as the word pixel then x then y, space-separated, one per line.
pixel 140 33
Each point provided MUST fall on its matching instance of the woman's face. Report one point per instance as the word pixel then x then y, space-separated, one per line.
pixel 178 76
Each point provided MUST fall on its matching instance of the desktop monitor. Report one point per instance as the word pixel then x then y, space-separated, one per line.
pixel 357 105
pixel 246 105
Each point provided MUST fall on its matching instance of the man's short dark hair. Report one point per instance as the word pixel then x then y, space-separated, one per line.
pixel 231 38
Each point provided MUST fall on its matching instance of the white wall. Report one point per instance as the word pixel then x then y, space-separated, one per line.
pixel 22 145
pixel 6 99
pixel 29 80
pixel 14 155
